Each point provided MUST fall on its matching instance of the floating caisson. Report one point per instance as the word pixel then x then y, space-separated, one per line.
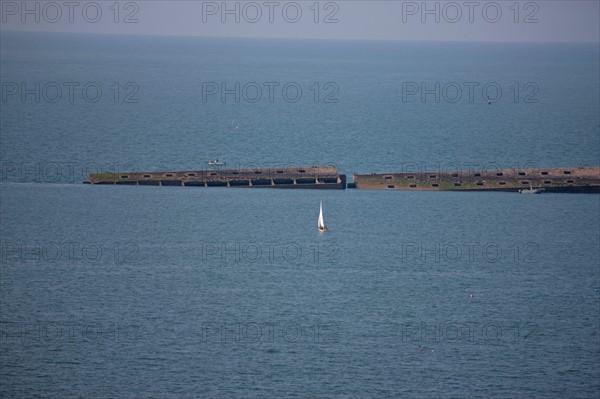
pixel 310 177
pixel 574 180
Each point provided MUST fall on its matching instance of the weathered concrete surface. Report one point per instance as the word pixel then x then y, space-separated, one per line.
pixel 580 179
pixel 315 177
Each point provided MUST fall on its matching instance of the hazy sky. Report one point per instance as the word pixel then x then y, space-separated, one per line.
pixel 547 20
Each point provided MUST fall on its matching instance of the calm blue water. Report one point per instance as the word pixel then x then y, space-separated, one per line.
pixel 164 292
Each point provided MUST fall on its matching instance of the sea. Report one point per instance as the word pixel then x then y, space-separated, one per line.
pixel 126 291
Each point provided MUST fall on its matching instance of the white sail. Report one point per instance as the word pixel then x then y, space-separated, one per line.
pixel 320 223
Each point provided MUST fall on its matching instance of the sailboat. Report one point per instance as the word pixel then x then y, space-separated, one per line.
pixel 320 224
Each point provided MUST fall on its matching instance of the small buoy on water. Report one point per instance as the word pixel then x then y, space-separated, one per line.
pixel 471 295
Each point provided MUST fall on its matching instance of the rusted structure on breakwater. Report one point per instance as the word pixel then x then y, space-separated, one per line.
pixel 312 177
pixel 572 180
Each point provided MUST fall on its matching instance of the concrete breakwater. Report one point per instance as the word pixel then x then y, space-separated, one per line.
pixel 313 177
pixel 575 180
pixel 581 179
